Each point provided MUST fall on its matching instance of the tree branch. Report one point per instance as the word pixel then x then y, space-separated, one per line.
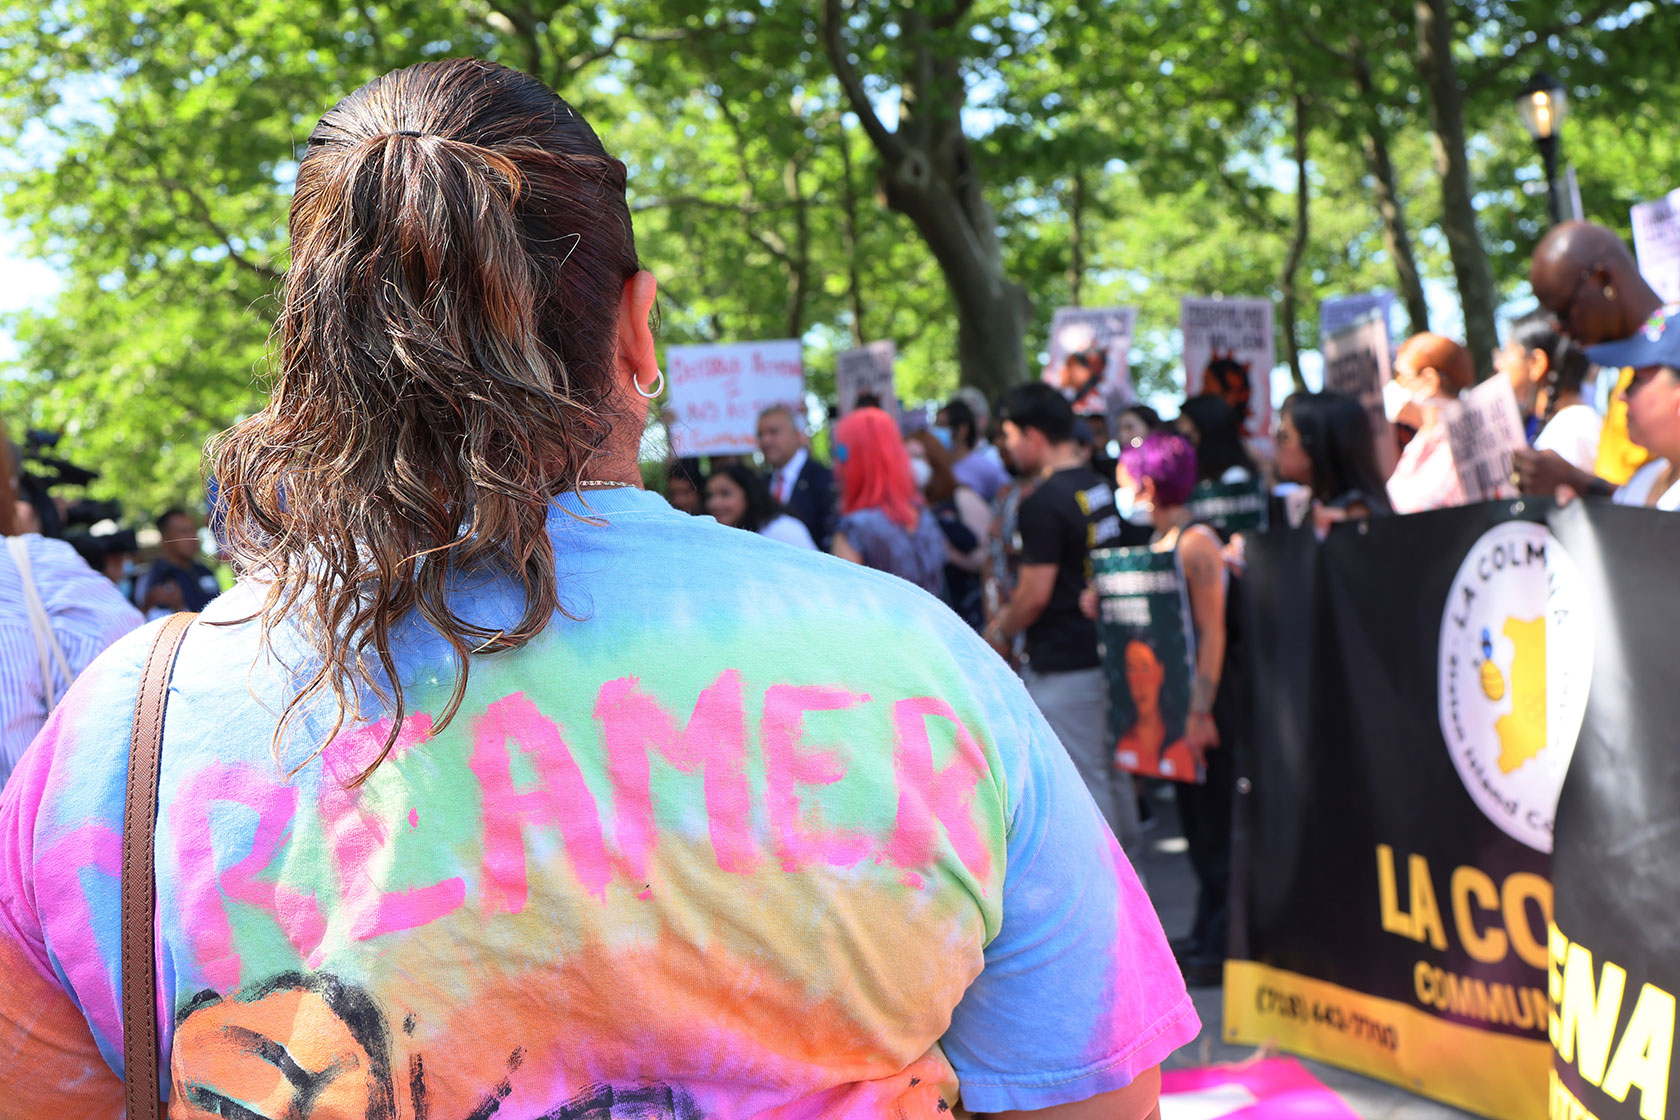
pixel 202 209
pixel 524 23
pixel 680 201
pixel 588 58
pixel 1491 73
pixel 886 142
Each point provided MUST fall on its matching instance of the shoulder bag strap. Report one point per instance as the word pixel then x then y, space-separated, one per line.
pixel 139 883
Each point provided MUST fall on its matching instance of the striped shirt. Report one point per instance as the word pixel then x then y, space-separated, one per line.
pixel 87 613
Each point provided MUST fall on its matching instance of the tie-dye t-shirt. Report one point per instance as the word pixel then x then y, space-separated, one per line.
pixel 755 833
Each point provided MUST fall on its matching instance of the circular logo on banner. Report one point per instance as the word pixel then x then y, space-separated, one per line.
pixel 1516 659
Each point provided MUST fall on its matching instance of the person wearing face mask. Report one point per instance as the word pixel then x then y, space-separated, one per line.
pixel 1432 370
pixel 965 520
pixel 1653 408
pixel 884 522
pixel 974 462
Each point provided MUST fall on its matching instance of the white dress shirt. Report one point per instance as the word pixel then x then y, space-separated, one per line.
pixel 86 613
pixel 783 481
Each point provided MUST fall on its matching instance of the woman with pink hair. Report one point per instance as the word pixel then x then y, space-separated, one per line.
pixel 884 522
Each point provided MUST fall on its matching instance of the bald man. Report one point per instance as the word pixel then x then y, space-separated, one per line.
pixel 1584 275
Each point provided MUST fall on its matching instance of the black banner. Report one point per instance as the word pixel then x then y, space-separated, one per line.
pixel 1417 684
pixel 1615 950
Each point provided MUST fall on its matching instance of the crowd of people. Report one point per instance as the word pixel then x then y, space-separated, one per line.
pixel 462 623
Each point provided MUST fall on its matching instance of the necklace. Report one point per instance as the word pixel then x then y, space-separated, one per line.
pixel 600 484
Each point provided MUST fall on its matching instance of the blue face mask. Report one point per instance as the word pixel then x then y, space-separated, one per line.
pixel 942 434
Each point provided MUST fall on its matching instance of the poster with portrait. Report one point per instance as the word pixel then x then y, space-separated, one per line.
pixel 867 372
pixel 717 393
pixel 1149 659
pixel 1484 430
pixel 1089 348
pixel 1357 362
pixel 1229 351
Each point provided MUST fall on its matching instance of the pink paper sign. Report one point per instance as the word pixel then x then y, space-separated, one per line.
pixel 1274 1089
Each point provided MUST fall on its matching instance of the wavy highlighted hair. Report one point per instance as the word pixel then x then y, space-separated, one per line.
pixel 444 355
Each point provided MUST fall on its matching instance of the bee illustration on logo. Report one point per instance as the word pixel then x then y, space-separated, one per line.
pixel 1493 681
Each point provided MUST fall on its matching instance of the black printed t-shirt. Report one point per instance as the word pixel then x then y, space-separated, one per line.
pixel 1070 513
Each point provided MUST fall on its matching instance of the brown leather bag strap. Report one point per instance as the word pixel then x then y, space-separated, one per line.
pixel 139 882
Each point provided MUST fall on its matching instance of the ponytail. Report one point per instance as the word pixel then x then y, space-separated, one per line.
pixel 444 353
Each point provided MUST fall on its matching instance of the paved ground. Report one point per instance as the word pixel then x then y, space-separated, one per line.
pixel 1173 887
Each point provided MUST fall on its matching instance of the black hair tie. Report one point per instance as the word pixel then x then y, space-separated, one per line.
pixel 408 132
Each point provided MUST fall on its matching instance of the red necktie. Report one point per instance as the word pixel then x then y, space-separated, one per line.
pixel 781 482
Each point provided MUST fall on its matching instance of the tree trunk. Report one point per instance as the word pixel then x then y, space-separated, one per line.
pixel 1076 239
pixel 1297 246
pixel 799 267
pixel 1396 236
pixel 1452 163
pixel 927 174
pixel 849 235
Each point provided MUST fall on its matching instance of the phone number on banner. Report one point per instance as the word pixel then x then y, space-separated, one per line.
pixel 1292 1005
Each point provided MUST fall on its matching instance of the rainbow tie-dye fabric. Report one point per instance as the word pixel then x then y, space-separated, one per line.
pixel 756 833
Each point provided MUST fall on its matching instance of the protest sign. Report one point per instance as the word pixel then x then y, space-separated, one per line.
pixel 1615 946
pixel 1230 507
pixel 1484 430
pixel 1656 243
pixel 868 370
pixel 1357 363
pixel 1089 348
pixel 1417 687
pixel 1340 312
pixel 717 393
pixel 1149 658
pixel 1229 351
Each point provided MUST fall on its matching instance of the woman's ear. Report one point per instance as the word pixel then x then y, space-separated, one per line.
pixel 635 332
pixel 1539 365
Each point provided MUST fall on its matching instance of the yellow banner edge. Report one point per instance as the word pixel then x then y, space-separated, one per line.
pixel 1458 1066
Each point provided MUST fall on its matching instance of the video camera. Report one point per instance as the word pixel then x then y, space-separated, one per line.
pixel 40 473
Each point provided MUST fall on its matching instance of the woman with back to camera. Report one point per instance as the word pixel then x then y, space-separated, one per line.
pixel 505 787
pixel 884 523
pixel 1161 467
pixel 1215 431
pixel 1547 373
pixel 739 497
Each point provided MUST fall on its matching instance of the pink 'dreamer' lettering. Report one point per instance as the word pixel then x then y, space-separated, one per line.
pixel 928 798
pixel 560 797
pixel 205 894
pixel 789 764
pixel 714 743
pixel 357 836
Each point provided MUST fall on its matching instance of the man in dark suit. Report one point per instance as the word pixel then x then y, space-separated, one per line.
pixel 798 483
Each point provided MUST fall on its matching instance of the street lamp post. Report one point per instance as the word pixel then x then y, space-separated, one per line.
pixel 1543 105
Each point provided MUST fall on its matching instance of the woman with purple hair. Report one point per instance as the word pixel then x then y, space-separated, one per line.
pixel 1161 469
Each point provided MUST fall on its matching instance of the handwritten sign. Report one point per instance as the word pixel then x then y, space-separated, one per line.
pixel 867 370
pixel 1089 350
pixel 1656 242
pixel 1356 362
pixel 717 393
pixel 1484 429
pixel 1229 351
